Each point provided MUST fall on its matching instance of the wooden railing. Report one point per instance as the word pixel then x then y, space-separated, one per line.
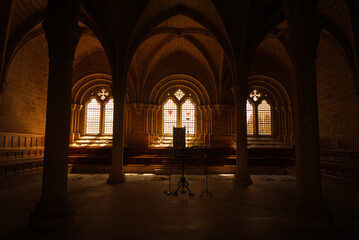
pixel 20 154
pixel 340 157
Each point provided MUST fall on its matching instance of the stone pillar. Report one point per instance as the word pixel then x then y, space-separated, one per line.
pixel 304 41
pixel 242 175
pixel 54 210
pixel 77 121
pixel 220 137
pixel 73 123
pixel 116 175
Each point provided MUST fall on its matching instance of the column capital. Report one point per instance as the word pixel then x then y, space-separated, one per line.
pixel 62 37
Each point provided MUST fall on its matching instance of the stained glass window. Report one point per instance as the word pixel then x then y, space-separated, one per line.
pixel 264 118
pixel 179 94
pixel 108 119
pixel 169 116
pixel 250 119
pixel 93 117
pixel 188 116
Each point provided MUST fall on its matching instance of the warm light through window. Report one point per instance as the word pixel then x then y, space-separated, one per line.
pixel 108 119
pixel 93 117
pixel 264 119
pixel 188 116
pixel 250 119
pixel 169 116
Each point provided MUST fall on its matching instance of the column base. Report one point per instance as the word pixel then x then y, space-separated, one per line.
pixel 242 179
pixel 116 178
pixel 51 215
pixel 315 217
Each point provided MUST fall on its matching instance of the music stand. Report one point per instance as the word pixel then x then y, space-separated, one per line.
pixel 182 183
pixel 208 194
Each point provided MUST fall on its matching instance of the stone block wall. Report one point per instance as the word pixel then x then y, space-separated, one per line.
pixel 338 98
pixel 23 100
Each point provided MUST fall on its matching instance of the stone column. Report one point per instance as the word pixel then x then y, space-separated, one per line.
pixel 304 41
pixel 242 175
pixel 54 210
pixel 73 123
pixel 77 123
pixel 116 175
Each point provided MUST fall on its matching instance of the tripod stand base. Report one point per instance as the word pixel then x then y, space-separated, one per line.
pixel 182 183
pixel 207 194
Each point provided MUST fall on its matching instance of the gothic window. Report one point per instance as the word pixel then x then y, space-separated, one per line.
pixel 179 111
pixel 259 115
pixel 93 117
pixel 169 116
pixel 250 119
pixel 108 118
pixel 99 113
pixel 264 118
pixel 188 114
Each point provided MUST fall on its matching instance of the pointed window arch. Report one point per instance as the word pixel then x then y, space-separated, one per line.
pixel 108 118
pixel 93 117
pixel 169 116
pixel 188 116
pixel 264 118
pixel 250 119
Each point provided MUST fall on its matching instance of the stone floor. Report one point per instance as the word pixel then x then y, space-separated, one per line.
pixel 139 209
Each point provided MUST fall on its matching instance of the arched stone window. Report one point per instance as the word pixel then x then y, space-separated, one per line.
pixel 108 117
pixel 259 115
pixel 93 117
pixel 99 113
pixel 179 110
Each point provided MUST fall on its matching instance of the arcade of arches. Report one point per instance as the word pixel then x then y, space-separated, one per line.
pixel 260 82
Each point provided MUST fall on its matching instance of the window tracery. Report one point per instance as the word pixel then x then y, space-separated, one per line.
pixel 103 94
pixel 179 111
pixel 99 113
pixel 259 115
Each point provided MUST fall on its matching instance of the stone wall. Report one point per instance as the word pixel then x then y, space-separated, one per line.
pixel 23 101
pixel 338 98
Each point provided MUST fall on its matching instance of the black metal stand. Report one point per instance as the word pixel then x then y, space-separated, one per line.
pixel 206 192
pixel 182 183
